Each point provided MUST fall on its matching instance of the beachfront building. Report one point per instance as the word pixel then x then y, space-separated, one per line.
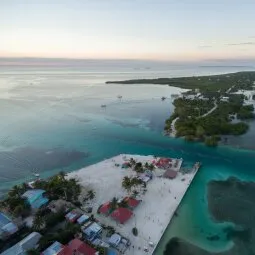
pixel 7 227
pixel 75 247
pixel 35 198
pixel 105 208
pixel 21 248
pixel 132 202
pixel 170 174
pixel 121 215
pixel 92 231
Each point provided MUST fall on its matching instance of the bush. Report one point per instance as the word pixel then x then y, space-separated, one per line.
pixel 135 231
pixel 211 141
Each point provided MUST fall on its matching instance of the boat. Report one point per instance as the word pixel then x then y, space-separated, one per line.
pixel 103 105
pixel 36 174
pixel 119 96
pixel 163 98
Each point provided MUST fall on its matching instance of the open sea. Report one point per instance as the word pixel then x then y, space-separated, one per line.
pixel 52 120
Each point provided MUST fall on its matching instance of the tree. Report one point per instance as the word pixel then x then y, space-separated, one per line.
pixel 139 167
pixel 132 162
pixel 211 141
pixel 135 231
pixel 151 167
pixel 126 184
pixel 114 203
pixel 200 132
pixel 91 194
pixel 38 222
pixel 33 252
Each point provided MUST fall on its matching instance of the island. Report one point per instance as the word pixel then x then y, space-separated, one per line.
pixel 121 205
pixel 213 106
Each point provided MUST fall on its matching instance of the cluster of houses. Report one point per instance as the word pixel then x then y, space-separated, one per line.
pixel 74 247
pixel 35 198
pixel 120 214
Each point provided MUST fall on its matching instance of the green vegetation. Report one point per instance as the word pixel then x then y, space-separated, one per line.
pixel 212 83
pixel 246 112
pixel 58 187
pixel 128 183
pixel 14 203
pixel 64 236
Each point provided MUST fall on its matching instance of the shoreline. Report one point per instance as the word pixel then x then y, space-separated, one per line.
pixel 154 213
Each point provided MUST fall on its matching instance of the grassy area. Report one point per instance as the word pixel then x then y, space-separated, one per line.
pixel 211 83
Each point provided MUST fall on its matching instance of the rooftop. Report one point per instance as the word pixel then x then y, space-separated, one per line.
pixel 72 216
pixel 121 215
pixel 35 198
pixel 170 174
pixel 105 208
pixel 24 245
pixel 81 247
pixel 54 249
pixel 7 227
pixel 132 202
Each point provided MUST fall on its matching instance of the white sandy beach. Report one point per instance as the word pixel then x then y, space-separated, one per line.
pixel 155 211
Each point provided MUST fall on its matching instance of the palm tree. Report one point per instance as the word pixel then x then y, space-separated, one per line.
pixel 126 183
pixel 91 194
pixel 16 191
pixel 38 222
pixel 132 162
pixel 114 203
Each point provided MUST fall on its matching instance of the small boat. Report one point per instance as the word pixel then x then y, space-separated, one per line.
pixel 36 174
pixel 163 98
pixel 119 96
pixel 103 105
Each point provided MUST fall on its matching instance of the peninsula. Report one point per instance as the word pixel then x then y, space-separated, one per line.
pixel 121 205
pixel 213 106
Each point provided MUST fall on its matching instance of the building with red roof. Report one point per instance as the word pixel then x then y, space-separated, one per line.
pixel 132 202
pixel 76 247
pixel 121 215
pixel 81 248
pixel 105 208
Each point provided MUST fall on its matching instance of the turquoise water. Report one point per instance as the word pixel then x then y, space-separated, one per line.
pixel 53 121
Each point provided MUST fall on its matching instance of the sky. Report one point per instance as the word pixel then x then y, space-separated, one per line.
pixel 175 30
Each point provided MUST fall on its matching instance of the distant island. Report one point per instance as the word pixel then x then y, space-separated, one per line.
pixel 213 106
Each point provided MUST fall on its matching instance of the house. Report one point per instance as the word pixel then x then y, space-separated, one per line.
pixel 78 247
pixel 84 218
pixel 35 198
pixel 100 243
pixel 21 248
pixel 7 227
pixel 92 231
pixel 55 249
pixel 72 216
pixel 170 174
pixel 121 215
pixel 132 202
pixel 114 240
pixel 105 208
pixel 125 165
pixel 224 99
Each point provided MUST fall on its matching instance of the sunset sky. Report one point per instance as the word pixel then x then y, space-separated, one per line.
pixel 128 29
